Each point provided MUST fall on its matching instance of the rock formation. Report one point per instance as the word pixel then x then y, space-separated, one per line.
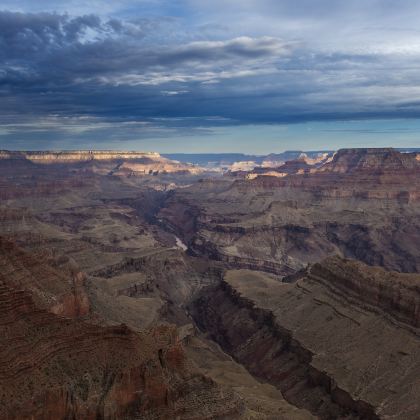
pixel 55 367
pixel 103 162
pixel 61 292
pixel 132 288
pixel 351 161
pixel 363 204
pixel 75 156
pixel 342 341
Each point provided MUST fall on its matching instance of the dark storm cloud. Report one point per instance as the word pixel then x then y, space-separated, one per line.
pixel 55 64
pixel 55 50
pixel 31 34
pixel 58 45
pixel 66 75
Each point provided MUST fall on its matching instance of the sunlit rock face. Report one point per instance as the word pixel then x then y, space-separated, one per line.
pixel 104 162
pixel 75 156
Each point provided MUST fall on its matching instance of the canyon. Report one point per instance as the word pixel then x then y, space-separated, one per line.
pixel 135 286
pixel 362 204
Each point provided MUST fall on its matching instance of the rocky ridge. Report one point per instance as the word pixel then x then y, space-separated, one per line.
pixel 350 161
pixel 103 162
pixel 309 338
pixel 74 155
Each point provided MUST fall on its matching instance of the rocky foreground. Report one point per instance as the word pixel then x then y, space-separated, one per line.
pixel 163 295
pixel 57 363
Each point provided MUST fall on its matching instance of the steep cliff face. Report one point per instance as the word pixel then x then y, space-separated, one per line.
pixel 75 155
pixel 269 351
pixel 154 167
pixel 350 161
pixel 57 368
pixel 100 162
pixel 341 341
pixel 365 173
pixel 56 365
pixel 395 295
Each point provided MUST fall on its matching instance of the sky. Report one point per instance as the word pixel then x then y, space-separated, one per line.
pixel 252 76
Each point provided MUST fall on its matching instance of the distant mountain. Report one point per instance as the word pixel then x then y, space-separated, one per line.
pixel 217 160
pixel 227 159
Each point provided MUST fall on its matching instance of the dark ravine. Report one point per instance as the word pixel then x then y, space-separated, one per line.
pixel 254 338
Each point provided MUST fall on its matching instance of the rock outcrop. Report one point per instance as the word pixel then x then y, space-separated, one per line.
pixel 61 292
pixel 298 166
pixel 102 162
pixel 75 156
pixel 393 295
pixel 374 160
pixel 54 365
pixel 341 341
pixel 58 368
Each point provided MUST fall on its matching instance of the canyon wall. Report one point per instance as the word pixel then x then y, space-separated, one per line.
pixel 362 204
pixel 331 347
pixel 74 155
pixel 58 364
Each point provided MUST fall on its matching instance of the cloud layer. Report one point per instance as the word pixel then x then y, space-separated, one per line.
pixel 150 69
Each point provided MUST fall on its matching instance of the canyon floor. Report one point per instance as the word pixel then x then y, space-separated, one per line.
pixel 135 287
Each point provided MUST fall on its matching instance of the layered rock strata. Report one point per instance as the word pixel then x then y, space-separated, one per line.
pixel 341 341
pixel 56 367
pixel 102 162
pixel 362 204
